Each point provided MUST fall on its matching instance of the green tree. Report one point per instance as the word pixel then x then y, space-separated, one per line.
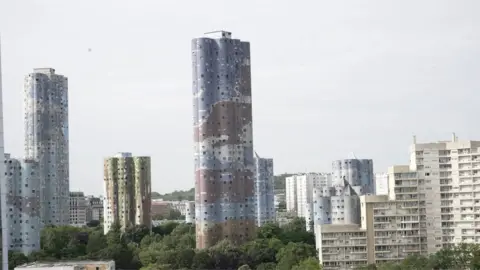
pixel 310 263
pixel 294 253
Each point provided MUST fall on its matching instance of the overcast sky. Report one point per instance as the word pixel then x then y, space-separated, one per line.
pixel 328 77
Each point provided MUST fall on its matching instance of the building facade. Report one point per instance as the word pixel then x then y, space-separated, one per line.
pixel 190 212
pixel 3 183
pixel 356 172
pixel 127 199
pixel 78 209
pixel 223 141
pixel 23 204
pixel 94 209
pixel 75 265
pixel 381 184
pixel 264 190
pixel 46 140
pixel 291 194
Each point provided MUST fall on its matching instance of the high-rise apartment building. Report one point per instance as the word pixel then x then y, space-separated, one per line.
pixel 23 204
pixel 264 190
pixel 291 194
pixel 356 172
pixel 78 209
pixel 46 140
pixel 127 199
pixel 3 183
pixel 224 160
pixel 190 212
pixel 449 178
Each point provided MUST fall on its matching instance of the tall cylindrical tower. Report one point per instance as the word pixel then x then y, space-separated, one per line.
pixel 223 144
pixel 46 140
pixel 355 172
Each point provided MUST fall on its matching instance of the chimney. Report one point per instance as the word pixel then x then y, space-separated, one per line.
pixel 454 138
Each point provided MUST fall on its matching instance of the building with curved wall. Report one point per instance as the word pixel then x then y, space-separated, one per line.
pixel 127 187
pixel 190 212
pixel 223 141
pixel 357 172
pixel 264 190
pixel 46 140
pixel 23 204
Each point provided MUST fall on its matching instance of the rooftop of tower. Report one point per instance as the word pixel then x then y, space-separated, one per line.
pixel 44 70
pixel 218 34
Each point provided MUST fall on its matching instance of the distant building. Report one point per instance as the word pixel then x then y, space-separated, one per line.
pixel 356 172
pixel 127 198
pixel 94 208
pixel 160 208
pixel 78 209
pixel 46 140
pixel 264 190
pixel 381 184
pixel 73 265
pixel 23 204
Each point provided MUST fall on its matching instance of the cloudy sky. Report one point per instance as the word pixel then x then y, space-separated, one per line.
pixel 329 77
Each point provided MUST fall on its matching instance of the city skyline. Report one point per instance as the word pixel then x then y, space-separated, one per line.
pixel 334 64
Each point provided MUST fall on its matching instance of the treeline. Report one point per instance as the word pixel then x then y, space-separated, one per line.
pixel 172 246
pixel 178 195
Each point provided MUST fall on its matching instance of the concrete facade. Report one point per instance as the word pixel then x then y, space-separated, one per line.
pixel 3 183
pixel 356 172
pixel 190 212
pixel 264 190
pixel 78 209
pixel 381 184
pixel 223 141
pixel 127 198
pixel 46 140
pixel 23 204
pixel 74 265
pixel 94 209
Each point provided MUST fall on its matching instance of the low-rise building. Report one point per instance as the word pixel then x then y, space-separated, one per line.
pixel 94 208
pixel 78 209
pixel 73 265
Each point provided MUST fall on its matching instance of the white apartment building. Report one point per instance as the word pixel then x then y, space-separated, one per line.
pixel 381 184
pixel 449 178
pixel 291 193
pixel 305 184
pixel 190 212
pixel 78 209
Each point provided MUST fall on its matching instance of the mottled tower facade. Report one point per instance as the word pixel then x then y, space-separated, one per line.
pixel 46 140
pixel 355 172
pixel 127 183
pixel 23 204
pixel 223 144
pixel 264 190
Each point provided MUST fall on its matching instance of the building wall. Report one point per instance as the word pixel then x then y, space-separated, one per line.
pixel 78 209
pixel 264 191
pixel 381 184
pixel 94 209
pixel 190 212
pixel 23 200
pixel 127 191
pixel 291 193
pixel 224 164
pixel 3 182
pixel 46 140
pixel 357 172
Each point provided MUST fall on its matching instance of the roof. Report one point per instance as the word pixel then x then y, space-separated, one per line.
pixel 64 263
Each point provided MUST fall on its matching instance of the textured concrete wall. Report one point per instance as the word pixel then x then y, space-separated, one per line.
pixel 357 172
pixel 224 164
pixel 23 204
pixel 190 212
pixel 264 191
pixel 46 140
pixel 127 186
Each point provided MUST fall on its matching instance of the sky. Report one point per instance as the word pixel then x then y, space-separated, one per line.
pixel 329 78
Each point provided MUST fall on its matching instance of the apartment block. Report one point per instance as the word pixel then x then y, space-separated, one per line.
pixel 22 204
pixel 127 198
pixel 94 208
pixel 47 140
pixel 264 191
pixel 78 209
pixel 74 265
pixel 291 193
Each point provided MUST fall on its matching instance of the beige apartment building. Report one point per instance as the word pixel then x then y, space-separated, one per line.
pixel 127 198
pixel 74 265
pixel 432 203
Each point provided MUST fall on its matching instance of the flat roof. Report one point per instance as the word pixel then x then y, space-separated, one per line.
pixel 64 263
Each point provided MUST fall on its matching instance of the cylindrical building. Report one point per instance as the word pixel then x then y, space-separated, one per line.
pixel 23 200
pixel 46 140
pixel 355 172
pixel 264 191
pixel 224 164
